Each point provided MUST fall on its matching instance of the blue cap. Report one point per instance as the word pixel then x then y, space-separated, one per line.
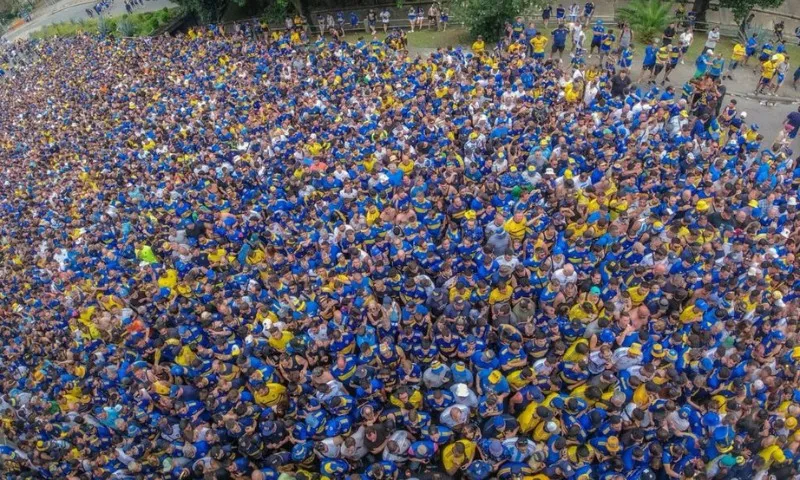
pixel 301 451
pixel 701 304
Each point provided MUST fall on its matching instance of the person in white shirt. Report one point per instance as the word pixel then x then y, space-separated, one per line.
pixel 627 357
pixel 578 36
pixel 685 41
pixel 713 38
pixel 454 415
pixel 565 275
pixel 397 446
pixel 385 16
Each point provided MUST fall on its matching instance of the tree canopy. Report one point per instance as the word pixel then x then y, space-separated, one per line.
pixel 487 17
pixel 742 8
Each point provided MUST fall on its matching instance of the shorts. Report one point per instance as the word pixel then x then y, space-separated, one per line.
pixel 781 77
pixel 545 16
pixel 557 48
pixel 749 52
pixel 648 68
pixel 764 81
pixel 538 55
pixel 659 68
pixel 595 43
pixel 666 41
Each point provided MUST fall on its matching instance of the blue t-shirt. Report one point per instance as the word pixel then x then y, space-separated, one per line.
pixel 650 55
pixel 560 37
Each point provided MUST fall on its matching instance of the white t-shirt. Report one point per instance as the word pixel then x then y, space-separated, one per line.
pixel 713 38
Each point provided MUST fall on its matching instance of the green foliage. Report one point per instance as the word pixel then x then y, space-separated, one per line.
pixel 487 17
pixel 125 27
pixel 207 11
pixel 648 18
pixel 741 8
pixel 275 11
pixel 137 24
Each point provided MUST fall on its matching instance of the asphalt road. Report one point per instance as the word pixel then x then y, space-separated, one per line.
pixel 69 10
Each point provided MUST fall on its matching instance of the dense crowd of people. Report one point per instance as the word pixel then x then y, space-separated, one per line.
pixel 226 256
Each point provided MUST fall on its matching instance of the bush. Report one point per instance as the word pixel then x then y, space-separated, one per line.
pixel 648 18
pixel 125 27
pixel 487 17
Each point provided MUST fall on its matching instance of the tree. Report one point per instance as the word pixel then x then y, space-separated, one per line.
pixel 648 18
pixel 742 8
pixel 207 11
pixel 487 17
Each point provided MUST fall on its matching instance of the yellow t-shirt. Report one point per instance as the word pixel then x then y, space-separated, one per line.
pixel 478 46
pixel 768 69
pixel 498 295
pixel 272 397
pixel 538 43
pixel 738 52
pixel 451 465
pixel 279 344
pixel 517 230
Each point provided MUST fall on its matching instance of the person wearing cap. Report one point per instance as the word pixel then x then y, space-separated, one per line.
pixel 310 258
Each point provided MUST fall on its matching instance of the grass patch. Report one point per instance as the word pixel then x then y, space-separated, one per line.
pixel 141 24
pixel 423 39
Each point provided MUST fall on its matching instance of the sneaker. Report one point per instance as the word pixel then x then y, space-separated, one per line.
pixel 683 63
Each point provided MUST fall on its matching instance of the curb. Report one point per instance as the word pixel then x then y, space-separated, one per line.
pixel 766 99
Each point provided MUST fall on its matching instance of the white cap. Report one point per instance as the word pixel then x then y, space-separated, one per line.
pixel 710 52
pixel 462 390
pixel 549 171
pixel 550 427
pixel 743 114
pixel 792 201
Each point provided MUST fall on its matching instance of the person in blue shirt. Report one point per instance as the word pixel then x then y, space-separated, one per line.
pixel 717 66
pixel 547 11
pixel 559 36
pixel 561 13
pixel 588 12
pixel 598 32
pixel 702 63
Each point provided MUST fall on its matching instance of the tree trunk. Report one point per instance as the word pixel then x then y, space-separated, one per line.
pixel 303 7
pixel 700 7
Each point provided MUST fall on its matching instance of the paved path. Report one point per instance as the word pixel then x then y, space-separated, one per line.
pixel 68 10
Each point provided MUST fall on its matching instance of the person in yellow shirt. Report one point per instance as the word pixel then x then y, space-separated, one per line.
pixel 516 226
pixel 502 293
pixel 538 43
pixel 737 56
pixel 638 293
pixel 270 394
pixel 458 454
pixel 768 69
pixel 694 313
pixel 478 46
pixel 278 339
